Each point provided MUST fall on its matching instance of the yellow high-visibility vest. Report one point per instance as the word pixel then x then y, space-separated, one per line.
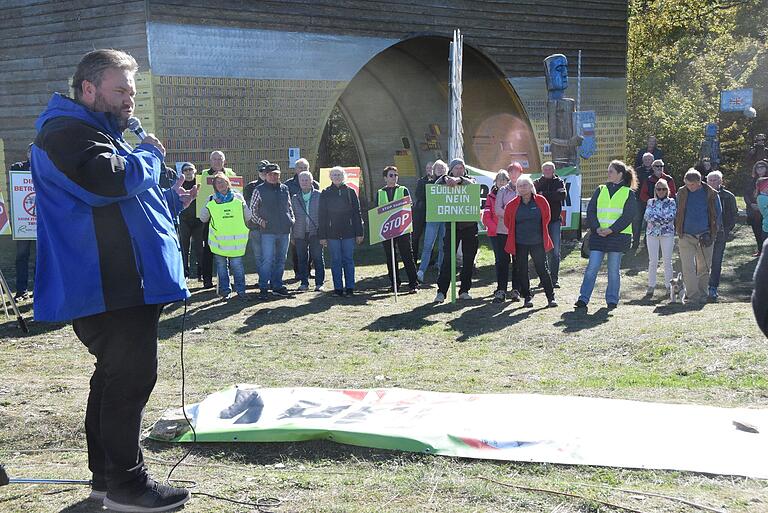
pixel 399 194
pixel 228 234
pixel 610 208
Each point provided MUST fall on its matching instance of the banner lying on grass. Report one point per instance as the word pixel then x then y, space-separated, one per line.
pixel 519 427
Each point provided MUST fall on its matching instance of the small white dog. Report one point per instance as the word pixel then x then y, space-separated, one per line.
pixel 677 289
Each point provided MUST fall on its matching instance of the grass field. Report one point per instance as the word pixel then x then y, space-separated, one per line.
pixel 645 350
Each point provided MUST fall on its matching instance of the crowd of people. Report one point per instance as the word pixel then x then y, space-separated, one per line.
pixel 522 218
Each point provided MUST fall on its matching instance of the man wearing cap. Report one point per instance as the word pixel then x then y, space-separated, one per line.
pixel 254 234
pixel 466 235
pixel 272 212
pixel 217 159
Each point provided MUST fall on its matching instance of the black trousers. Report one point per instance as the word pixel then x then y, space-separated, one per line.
pixel 539 257
pixel 756 222
pixel 190 235
pixel 124 343
pixel 206 266
pixel 419 222
pixel 469 244
pixel 402 246
pixel 637 223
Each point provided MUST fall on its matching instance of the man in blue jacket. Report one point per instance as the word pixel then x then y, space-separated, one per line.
pixel 108 259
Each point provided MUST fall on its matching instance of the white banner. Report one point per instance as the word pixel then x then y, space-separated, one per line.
pixel 513 427
pixel 23 215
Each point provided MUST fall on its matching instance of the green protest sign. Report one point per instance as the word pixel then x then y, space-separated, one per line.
pixel 390 220
pixel 457 203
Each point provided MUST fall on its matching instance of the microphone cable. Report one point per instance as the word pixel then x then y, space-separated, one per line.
pixel 260 504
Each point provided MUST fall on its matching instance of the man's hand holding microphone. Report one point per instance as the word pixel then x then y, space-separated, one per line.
pixel 186 196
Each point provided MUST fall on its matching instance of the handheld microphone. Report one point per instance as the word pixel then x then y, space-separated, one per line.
pixel 134 125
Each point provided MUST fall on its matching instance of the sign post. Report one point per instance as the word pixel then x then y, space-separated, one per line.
pixel 458 203
pixel 388 221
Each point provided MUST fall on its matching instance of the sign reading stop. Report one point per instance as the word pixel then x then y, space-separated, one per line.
pixel 390 220
pixel 396 225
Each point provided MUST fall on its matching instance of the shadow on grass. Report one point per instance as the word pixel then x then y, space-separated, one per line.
pixel 581 319
pixel 270 453
pixel 83 506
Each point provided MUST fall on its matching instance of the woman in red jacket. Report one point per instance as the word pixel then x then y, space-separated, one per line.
pixel 527 218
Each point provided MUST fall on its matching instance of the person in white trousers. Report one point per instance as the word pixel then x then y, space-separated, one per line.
pixel 660 233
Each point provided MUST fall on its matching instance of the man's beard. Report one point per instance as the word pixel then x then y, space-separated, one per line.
pixel 100 104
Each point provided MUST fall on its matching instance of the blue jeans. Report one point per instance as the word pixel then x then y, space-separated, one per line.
pixel 553 257
pixel 254 241
pixel 718 249
pixel 433 233
pixel 310 246
pixel 342 262
pixel 236 266
pixel 614 277
pixel 502 259
pixel 23 249
pixel 274 249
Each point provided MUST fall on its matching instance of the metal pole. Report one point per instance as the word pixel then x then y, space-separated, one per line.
pixel 453 261
pixel 394 267
pixel 22 323
pixel 578 86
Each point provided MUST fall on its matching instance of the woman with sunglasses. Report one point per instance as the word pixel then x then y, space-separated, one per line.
pixel 660 233
pixel 390 192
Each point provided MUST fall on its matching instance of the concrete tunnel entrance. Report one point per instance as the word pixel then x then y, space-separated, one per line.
pixel 397 109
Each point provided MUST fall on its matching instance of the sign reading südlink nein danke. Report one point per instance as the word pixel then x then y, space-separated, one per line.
pixel 457 203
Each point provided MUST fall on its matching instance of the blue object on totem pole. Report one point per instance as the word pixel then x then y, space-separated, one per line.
pixel 710 146
pixel 556 73
pixel 560 119
pixel 586 122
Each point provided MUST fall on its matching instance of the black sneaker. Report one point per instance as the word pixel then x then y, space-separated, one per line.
pixel 349 292
pixel 264 295
pixel 150 498
pixel 338 292
pixel 528 302
pixel 281 292
pixel 612 306
pixel 579 304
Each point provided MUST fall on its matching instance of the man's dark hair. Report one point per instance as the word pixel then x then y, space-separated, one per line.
pixel 388 169
pixel 93 65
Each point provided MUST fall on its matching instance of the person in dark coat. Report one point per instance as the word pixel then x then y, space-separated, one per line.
pixel 754 217
pixel 609 216
pixel 341 227
pixel 760 294
pixel 420 208
pixel 652 147
pixel 552 187
pixel 466 235
pixel 190 226
pixel 730 213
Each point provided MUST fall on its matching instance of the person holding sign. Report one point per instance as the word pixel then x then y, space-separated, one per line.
pixel 609 215
pixel 341 226
pixel 226 212
pixel 466 235
pixel 392 192
pixel 434 231
pixel 527 220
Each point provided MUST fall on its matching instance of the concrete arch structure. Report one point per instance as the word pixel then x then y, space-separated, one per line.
pixel 400 96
